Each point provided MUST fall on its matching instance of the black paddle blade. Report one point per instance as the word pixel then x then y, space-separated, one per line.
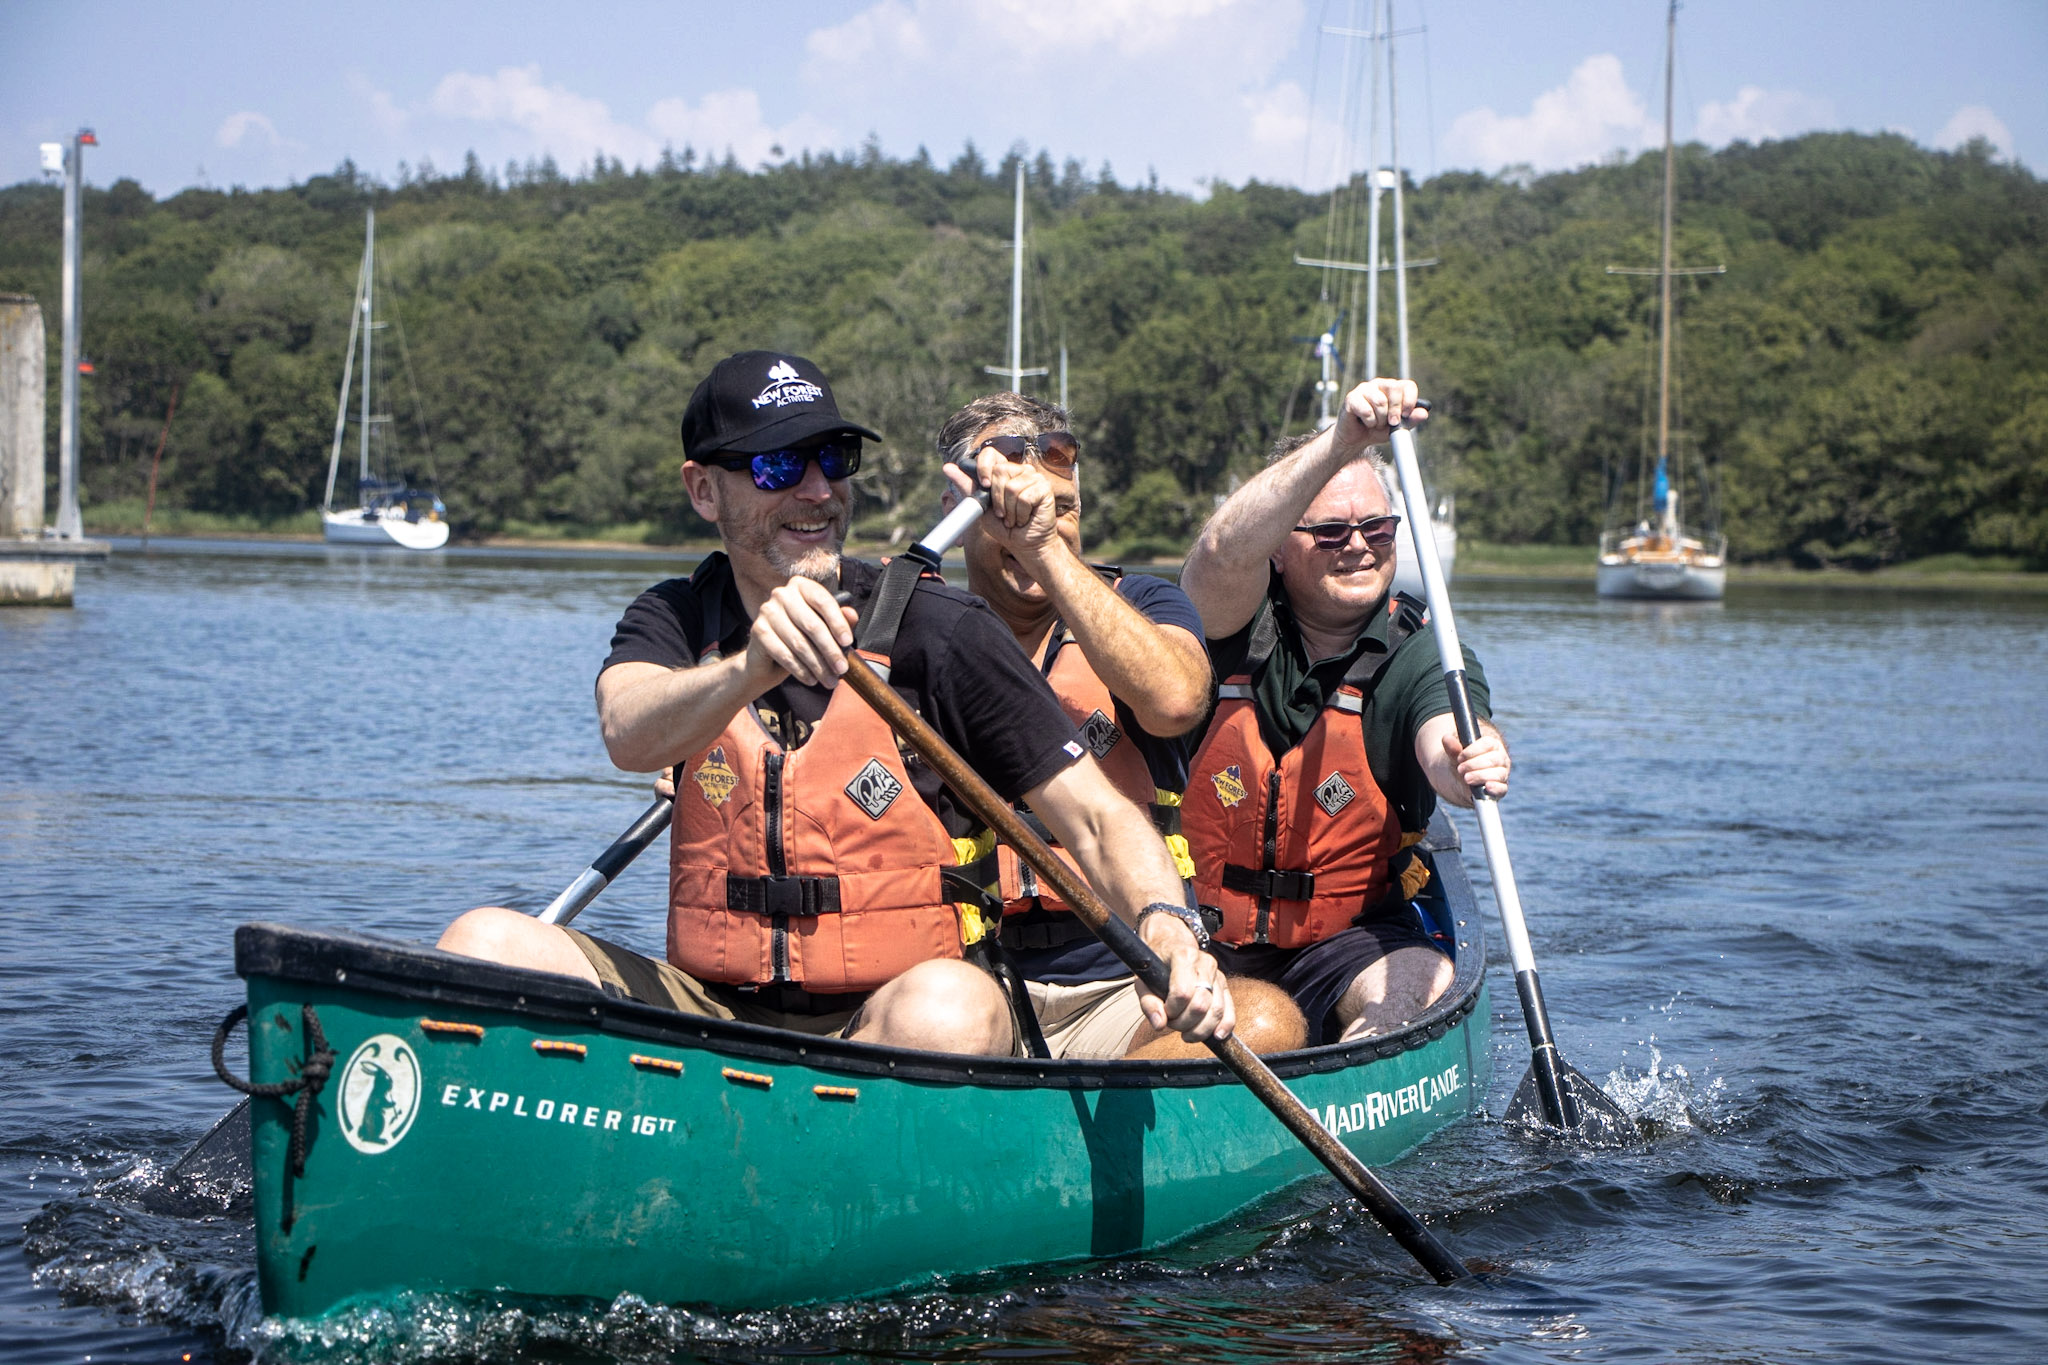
pixel 1601 1122
pixel 211 1176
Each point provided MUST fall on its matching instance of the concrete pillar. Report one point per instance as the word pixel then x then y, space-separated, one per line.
pixel 23 362
pixel 34 571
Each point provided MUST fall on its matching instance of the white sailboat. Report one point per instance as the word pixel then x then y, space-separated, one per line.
pixel 1384 178
pixel 388 511
pixel 1657 557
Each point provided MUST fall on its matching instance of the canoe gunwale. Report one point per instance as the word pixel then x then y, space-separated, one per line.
pixel 408 971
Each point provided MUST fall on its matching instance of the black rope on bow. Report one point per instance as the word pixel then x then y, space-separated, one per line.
pixel 313 1073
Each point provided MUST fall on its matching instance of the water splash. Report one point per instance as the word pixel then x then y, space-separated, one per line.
pixel 1666 1100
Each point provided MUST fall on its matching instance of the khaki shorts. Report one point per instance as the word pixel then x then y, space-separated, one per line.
pixel 1093 1020
pixel 659 983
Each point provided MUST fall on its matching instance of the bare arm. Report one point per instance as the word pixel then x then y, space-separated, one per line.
pixel 1225 573
pixel 654 717
pixel 1454 770
pixel 1160 672
pixel 1127 864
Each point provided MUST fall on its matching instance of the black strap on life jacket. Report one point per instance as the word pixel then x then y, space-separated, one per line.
pixel 782 895
pixel 882 617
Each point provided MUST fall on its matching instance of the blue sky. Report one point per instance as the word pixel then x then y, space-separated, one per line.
pixel 232 93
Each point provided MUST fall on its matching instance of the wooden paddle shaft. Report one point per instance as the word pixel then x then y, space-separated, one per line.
pixel 1123 940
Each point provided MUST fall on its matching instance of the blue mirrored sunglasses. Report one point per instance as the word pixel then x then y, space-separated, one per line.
pixel 775 470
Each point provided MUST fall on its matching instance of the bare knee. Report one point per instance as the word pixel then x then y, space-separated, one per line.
pixel 1394 991
pixel 939 1006
pixel 1268 1019
pixel 505 936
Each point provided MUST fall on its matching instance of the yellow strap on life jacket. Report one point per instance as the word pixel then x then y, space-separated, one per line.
pixel 1415 872
pixel 1183 861
pixel 975 923
pixel 1176 844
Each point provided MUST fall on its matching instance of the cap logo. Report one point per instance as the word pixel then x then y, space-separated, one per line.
pixel 785 386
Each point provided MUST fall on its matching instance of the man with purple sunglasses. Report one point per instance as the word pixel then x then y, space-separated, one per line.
pixel 808 851
pixel 1332 739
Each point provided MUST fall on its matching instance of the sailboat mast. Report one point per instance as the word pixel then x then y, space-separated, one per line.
pixel 1372 216
pixel 1664 271
pixel 355 320
pixel 369 319
pixel 1400 225
pixel 1017 287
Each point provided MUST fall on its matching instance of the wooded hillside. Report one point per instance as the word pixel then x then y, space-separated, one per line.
pixel 1869 379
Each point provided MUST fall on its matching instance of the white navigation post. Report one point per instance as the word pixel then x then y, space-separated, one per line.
pixel 69 526
pixel 38 567
pixel 1015 371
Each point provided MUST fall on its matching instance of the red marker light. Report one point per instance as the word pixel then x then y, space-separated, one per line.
pixel 85 367
pixel 86 139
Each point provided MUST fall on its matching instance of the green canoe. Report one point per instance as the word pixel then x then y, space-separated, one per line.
pixel 486 1129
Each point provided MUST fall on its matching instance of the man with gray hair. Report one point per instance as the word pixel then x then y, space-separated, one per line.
pixel 1124 655
pixel 1332 739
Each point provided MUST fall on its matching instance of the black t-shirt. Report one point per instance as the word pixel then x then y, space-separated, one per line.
pixel 955 664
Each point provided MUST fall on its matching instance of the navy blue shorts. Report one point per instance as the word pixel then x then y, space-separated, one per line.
pixel 1317 976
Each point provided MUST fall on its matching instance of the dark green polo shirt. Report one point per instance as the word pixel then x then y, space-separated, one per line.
pixel 1289 691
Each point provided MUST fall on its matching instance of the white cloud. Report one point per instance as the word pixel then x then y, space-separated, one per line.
pixel 1057 73
pixel 384 111
pixel 1027 32
pixel 1592 114
pixel 558 120
pixel 238 128
pixel 1757 115
pixel 1278 119
pixel 515 112
pixel 1974 120
pixel 731 120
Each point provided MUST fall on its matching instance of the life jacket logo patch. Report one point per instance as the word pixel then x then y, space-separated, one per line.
pixel 1101 734
pixel 1335 794
pixel 716 777
pixel 1230 785
pixel 874 789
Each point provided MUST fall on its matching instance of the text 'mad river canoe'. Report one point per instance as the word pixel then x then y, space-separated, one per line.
pixel 490 1130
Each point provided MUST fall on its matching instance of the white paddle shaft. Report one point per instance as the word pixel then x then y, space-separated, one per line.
pixel 1488 810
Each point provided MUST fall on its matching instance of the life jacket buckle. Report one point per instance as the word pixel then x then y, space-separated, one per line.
pixel 1273 883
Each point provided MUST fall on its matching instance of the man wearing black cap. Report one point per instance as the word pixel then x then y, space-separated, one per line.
pixel 805 878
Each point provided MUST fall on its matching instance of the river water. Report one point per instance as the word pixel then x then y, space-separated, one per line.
pixel 1783 861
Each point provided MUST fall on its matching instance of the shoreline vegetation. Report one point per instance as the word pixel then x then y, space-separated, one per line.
pixel 1868 381
pixel 1476 559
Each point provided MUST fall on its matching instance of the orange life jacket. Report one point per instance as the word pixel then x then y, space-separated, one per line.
pixel 1291 849
pixel 819 867
pixel 1086 700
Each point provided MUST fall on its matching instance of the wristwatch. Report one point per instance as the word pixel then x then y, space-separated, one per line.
pixel 1180 912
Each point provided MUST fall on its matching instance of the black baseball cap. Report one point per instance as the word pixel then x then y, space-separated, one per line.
pixel 759 401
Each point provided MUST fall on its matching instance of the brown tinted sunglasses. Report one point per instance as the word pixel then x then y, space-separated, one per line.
pixel 1056 450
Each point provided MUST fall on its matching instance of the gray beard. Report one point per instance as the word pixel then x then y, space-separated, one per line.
pixel 820 565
